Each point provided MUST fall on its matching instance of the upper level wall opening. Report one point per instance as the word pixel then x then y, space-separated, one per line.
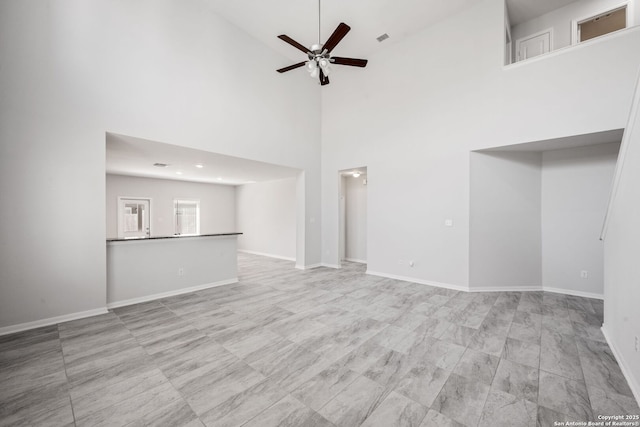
pixel 536 28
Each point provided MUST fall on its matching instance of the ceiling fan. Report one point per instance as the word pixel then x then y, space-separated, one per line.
pixel 319 55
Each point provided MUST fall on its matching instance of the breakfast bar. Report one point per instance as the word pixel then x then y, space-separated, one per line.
pixel 149 268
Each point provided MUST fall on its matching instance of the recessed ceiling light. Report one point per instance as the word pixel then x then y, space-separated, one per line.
pixel 199 165
pixel 179 173
pixel 160 165
pixel 219 178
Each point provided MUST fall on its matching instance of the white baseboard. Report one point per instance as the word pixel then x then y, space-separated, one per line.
pixel 574 293
pixel 537 289
pixel 51 321
pixel 336 266
pixel 533 288
pixel 308 267
pixel 419 281
pixel 360 261
pixel 146 298
pixel 322 264
pixel 633 382
pixel 507 289
pixel 267 255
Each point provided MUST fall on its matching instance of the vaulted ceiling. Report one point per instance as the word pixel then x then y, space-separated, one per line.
pixel 265 20
pixel 298 19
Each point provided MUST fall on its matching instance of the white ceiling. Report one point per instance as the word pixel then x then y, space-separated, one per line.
pixel 523 10
pixel 575 141
pixel 126 155
pixel 368 19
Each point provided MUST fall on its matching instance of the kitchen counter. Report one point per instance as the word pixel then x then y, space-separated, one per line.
pixel 175 236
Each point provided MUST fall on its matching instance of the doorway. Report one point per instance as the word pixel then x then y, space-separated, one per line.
pixel 134 217
pixel 353 215
pixel 534 45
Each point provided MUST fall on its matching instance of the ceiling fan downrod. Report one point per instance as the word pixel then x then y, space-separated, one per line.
pixel 319 59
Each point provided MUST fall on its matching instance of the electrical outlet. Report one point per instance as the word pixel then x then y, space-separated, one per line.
pixel 637 344
pixel 406 262
pixel 584 274
pixel 181 272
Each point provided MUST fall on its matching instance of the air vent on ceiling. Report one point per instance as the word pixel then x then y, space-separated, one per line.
pixel 160 165
pixel 383 37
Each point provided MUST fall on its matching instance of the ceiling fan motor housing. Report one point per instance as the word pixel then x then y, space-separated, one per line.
pixel 317 52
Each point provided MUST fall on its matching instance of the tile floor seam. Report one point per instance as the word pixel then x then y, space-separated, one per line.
pixel 182 396
pixel 124 379
pixel 64 364
pixel 539 376
pixel 333 396
pixel 484 405
pixel 265 409
pixel 386 392
pixel 584 377
pixel 564 376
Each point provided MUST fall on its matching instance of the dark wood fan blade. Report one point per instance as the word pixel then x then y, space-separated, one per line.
pixel 324 80
pixel 337 35
pixel 349 61
pixel 292 67
pixel 293 43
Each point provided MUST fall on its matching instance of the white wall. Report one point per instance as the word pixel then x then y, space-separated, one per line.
pixel 162 70
pixel 266 215
pixel 142 270
pixel 536 217
pixel 355 218
pixel 621 254
pixel 505 241
pixel 560 20
pixel 576 184
pixel 217 203
pixel 413 119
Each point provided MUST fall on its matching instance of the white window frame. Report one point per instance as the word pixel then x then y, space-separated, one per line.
pixel 575 23
pixel 176 202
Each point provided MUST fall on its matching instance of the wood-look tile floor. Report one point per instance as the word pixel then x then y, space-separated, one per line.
pixel 321 347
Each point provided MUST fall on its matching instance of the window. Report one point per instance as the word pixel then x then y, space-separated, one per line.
pixel 602 24
pixel 186 215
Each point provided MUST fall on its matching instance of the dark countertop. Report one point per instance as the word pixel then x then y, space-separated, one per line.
pixel 118 239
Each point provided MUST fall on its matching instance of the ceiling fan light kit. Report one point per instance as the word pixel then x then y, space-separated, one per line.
pixel 319 56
